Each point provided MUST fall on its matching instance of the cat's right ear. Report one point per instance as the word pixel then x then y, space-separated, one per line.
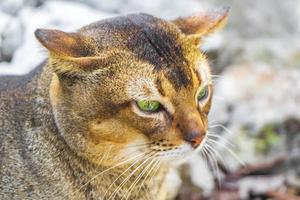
pixel 70 53
pixel 203 23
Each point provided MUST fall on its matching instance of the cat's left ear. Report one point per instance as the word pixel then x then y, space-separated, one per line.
pixel 203 23
pixel 63 44
pixel 70 53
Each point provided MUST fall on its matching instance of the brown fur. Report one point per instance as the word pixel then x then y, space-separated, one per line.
pixel 73 119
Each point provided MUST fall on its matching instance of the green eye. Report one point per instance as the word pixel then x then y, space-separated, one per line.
pixel 202 94
pixel 148 106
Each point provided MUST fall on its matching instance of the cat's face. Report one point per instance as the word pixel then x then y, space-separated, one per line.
pixel 132 87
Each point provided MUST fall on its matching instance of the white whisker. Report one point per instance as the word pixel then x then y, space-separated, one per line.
pixel 213 156
pixel 209 161
pixel 219 156
pixel 230 151
pixel 120 176
pixel 226 141
pixel 216 76
pixel 127 194
pixel 127 178
pixel 119 164
pixel 153 171
pixel 220 125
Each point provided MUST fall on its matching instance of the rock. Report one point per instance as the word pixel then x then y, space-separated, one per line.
pixel 11 7
pixel 247 98
pixel 11 36
pixel 258 94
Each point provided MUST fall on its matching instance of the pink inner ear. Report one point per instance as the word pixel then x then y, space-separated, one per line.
pixel 202 23
pixel 62 43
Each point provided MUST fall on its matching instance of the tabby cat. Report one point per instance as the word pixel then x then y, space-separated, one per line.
pixel 108 113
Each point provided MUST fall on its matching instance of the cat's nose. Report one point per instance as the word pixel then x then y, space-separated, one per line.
pixel 194 137
pixel 193 131
pixel 191 126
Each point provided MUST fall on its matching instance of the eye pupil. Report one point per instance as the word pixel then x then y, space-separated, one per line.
pixel 148 106
pixel 203 94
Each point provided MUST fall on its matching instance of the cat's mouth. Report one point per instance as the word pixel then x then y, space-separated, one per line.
pixel 162 150
pixel 169 152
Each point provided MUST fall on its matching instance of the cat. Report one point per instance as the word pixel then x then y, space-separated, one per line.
pixel 106 115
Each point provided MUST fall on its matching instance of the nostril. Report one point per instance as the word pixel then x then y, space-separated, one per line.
pixel 195 145
pixel 194 138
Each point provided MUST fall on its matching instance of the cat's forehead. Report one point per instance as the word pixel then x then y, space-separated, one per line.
pixel 152 40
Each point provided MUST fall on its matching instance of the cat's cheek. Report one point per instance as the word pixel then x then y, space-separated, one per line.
pixel 112 130
pixel 137 148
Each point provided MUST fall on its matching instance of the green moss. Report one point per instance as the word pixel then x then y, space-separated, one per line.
pixel 268 137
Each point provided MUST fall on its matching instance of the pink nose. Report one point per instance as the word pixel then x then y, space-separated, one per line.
pixel 192 131
pixel 194 137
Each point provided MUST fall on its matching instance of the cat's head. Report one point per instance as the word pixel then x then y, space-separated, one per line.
pixel 132 87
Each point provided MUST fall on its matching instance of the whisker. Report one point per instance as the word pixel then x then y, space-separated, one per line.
pixel 209 161
pixel 225 165
pixel 127 178
pixel 130 152
pixel 230 151
pixel 156 164
pixel 103 157
pixel 220 125
pixel 127 194
pixel 142 144
pixel 203 155
pixel 216 76
pixel 226 141
pixel 212 121
pixel 119 164
pixel 120 177
pixel 215 80
pixel 211 165
pixel 98 161
pixel 213 156
pixel 155 170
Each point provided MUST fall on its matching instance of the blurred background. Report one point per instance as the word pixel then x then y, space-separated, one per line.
pixel 255 118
